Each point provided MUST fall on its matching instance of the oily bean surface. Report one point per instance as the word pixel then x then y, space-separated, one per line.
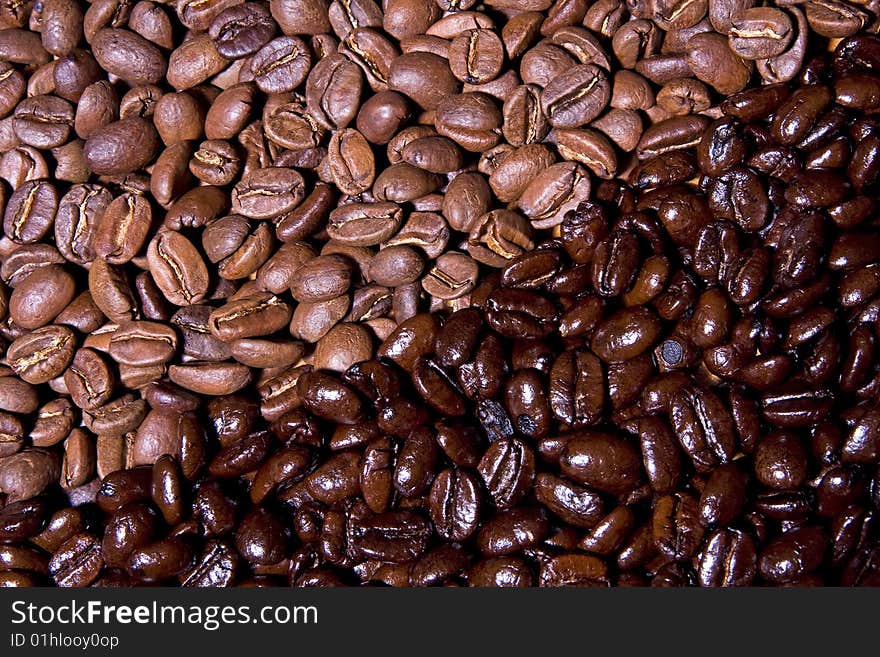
pixel 533 293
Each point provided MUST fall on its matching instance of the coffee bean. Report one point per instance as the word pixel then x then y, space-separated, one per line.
pixel 510 531
pixel 835 19
pixel 281 65
pixel 128 56
pixel 343 346
pixel 333 89
pixel 249 316
pixel 413 338
pixel 626 334
pixel 129 528
pixel 670 135
pixel 193 62
pixel 602 461
pixel 476 56
pixel 574 504
pixel 43 121
pixel 351 161
pixel 409 72
pixel 471 120
pixel 89 379
pixel 501 571
pixel 23 520
pixel 116 417
pixel 792 555
pixel 590 148
pixel 675 526
pixel 177 268
pixel 498 237
pixel 454 504
pixel 453 275
pixel 30 211
pixel 395 536
pixel 558 189
pixel 160 560
pixel 395 266
pixel 210 378
pixel 241 30
pixel 268 193
pixel 711 59
pixel 77 562
pixel 322 278
pixel 364 224
pixel 28 473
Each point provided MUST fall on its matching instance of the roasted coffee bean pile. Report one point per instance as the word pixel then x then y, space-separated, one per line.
pixel 439 293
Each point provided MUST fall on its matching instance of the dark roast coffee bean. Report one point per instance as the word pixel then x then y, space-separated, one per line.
pixel 760 33
pixel 602 461
pixel 576 97
pixel 77 562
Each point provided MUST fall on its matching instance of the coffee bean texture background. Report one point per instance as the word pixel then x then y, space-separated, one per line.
pixel 439 293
